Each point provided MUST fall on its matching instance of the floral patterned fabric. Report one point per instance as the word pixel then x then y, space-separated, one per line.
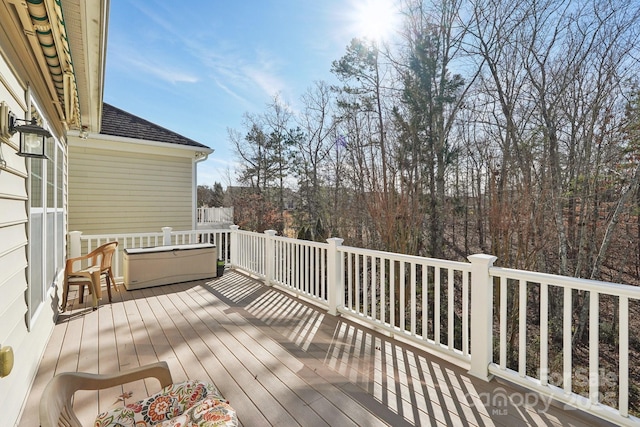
pixel 187 404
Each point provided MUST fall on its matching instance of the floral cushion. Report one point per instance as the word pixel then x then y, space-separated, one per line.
pixel 187 404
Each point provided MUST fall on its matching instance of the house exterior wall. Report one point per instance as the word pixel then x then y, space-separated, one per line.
pixel 27 300
pixel 123 186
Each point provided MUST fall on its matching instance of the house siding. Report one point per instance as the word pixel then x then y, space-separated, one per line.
pixel 27 335
pixel 117 190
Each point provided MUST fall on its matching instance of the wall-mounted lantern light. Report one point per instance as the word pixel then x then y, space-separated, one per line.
pixel 32 137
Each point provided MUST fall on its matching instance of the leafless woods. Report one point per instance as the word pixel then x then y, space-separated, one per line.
pixel 498 126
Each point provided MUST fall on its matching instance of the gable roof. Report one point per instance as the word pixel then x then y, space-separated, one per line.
pixel 117 122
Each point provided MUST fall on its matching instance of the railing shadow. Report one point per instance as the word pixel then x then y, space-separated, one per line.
pixel 400 384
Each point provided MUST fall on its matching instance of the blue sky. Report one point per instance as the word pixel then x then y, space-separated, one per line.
pixel 195 68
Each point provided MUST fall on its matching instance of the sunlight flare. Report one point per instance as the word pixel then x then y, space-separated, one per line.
pixel 376 20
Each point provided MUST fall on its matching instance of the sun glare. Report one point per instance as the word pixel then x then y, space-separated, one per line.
pixel 375 19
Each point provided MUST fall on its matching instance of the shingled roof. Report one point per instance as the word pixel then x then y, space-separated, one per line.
pixel 117 122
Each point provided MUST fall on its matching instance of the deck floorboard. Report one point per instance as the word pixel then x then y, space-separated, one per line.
pixel 277 359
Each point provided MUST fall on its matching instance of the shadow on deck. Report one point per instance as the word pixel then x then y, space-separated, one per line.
pixel 278 360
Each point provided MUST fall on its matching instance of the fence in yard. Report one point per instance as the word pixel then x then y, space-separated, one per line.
pixel 513 324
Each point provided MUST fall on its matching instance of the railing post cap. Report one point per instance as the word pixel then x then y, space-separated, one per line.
pixel 335 240
pixel 270 232
pixel 167 228
pixel 234 227
pixel 73 233
pixel 482 258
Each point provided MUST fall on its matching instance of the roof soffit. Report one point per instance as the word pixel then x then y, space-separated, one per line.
pixel 61 57
pixel 87 27
pixel 24 53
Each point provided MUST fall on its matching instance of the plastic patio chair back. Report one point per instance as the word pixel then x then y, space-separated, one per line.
pixel 56 404
pixel 107 251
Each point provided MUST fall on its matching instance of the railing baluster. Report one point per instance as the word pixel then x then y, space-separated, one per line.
pixel 278 263
pixel 412 267
pixel 522 328
pixel 293 254
pixel 383 290
pixel 324 274
pixel 274 261
pixel 366 283
pixel 594 346
pixel 319 267
pixel 544 334
pixel 297 259
pixel 374 292
pixel 350 280
pixel 239 251
pixel 450 312
pixel 287 274
pixel 424 291
pixel 302 279
pixel 307 264
pixel 392 293
pixel 300 268
pixel 313 262
pixel 297 267
pixel 292 263
pixel 623 373
pixel 566 341
pixel 503 322
pixel 436 305
pixel 358 291
pixel 244 251
pixel 465 313
pixel 403 297
pixel 306 250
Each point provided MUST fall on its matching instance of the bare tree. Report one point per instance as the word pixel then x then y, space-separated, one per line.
pixel 316 121
pixel 432 97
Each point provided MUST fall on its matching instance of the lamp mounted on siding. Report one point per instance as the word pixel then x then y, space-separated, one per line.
pixel 32 137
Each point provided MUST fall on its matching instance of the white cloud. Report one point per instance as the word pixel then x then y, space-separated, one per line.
pixel 156 65
pixel 164 72
pixel 269 83
pixel 239 70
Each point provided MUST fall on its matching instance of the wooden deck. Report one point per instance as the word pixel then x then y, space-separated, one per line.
pixel 278 360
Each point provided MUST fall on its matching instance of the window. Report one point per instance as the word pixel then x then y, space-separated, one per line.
pixel 46 224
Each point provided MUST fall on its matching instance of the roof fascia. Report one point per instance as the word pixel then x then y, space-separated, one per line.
pixel 134 145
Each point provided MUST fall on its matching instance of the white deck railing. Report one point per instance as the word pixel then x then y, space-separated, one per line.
pixel 81 244
pixel 533 291
pixel 214 215
pixel 441 306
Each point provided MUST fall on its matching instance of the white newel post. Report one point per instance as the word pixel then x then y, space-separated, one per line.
pixel 481 315
pixel 233 256
pixel 75 246
pixel 166 233
pixel 269 256
pixel 335 290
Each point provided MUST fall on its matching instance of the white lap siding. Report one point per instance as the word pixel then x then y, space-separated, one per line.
pixel 25 329
pixel 117 187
